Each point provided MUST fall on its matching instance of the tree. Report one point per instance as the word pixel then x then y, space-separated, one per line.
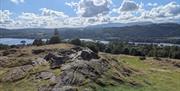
pixel 47 41
pixel 55 38
pixel 93 47
pixel 176 55
pixel 76 41
pixel 125 51
pixel 38 42
pixel 56 32
pixel 4 47
pixel 116 49
pixel 108 50
pixel 101 46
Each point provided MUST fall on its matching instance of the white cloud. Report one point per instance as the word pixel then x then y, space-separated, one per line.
pixel 47 18
pixel 129 5
pixel 90 8
pixel 169 10
pixel 152 4
pixel 92 12
pixel 53 13
pixel 17 1
pixel 28 16
pixel 5 16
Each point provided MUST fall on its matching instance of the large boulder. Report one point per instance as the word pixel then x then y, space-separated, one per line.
pixel 88 55
pixel 55 60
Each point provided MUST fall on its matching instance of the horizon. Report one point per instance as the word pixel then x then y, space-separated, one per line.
pixel 103 25
pixel 18 14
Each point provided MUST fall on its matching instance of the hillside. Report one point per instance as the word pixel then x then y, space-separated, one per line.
pixel 165 32
pixel 65 67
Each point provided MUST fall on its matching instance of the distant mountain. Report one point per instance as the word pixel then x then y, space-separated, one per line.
pixel 164 32
pixel 107 25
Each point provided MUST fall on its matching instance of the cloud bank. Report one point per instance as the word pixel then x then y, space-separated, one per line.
pixel 90 8
pixel 92 12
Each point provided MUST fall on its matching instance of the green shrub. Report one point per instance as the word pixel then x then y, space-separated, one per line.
pixel 76 41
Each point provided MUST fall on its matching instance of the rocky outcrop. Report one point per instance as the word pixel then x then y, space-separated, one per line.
pixel 66 69
pixel 65 56
pixel 77 72
pixel 16 73
pixel 80 66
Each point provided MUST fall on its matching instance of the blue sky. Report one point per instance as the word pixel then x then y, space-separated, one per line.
pixel 13 9
pixel 59 5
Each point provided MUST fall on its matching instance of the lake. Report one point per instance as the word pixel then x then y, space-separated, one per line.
pixel 15 41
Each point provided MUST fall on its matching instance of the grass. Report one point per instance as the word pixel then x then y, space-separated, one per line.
pixel 29 83
pixel 158 79
pixel 154 75
pixel 56 72
pixel 24 85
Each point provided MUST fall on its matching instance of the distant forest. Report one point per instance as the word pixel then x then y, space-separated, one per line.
pixel 165 32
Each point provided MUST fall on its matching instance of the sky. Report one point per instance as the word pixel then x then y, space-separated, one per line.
pixel 79 13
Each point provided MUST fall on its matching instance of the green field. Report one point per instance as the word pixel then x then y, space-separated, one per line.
pixel 155 75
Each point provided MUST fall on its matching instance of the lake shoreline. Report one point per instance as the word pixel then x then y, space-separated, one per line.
pixel 17 41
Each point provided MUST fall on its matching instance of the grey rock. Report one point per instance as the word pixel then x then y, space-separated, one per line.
pixel 4 61
pixel 16 73
pixel 77 72
pixel 77 65
pixel 88 55
pixel 77 48
pixel 44 75
pixel 55 60
pixel 39 61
